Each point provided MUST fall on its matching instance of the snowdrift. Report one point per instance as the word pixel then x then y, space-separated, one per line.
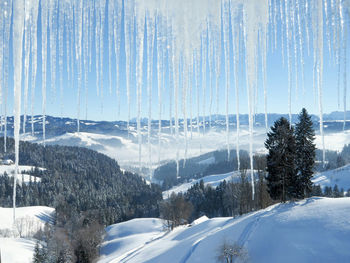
pixel 311 230
pixel 15 249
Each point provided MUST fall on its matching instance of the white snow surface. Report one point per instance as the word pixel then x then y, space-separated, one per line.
pixel 17 250
pixel 212 180
pixel 311 230
pixel 30 219
pixel 339 176
pixel 10 169
pixel 123 238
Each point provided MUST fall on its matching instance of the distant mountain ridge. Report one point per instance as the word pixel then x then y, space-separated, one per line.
pixel 56 126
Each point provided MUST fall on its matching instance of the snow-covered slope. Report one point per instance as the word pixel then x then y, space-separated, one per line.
pixel 340 177
pixel 17 250
pixel 28 220
pixel 312 230
pixel 212 180
pixel 10 169
pixel 124 238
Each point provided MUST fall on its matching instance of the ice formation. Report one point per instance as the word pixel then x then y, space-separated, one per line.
pixel 176 53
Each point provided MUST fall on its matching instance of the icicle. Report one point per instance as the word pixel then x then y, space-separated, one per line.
pixel 264 67
pixel 210 64
pixel 204 79
pixel 86 47
pixel 175 68
pixel 52 23
pixel 117 33
pixel 110 41
pixel 275 23
pixel 97 45
pixel 44 28
pixel 160 60
pixel 34 49
pixel 301 46
pixel 184 107
pixel 150 47
pixel 27 36
pixel 227 73
pixel 282 20
pixel 307 32
pixel 288 36
pixel 197 63
pixel 235 72
pixel 1 62
pixel 251 30
pixel 61 51
pixel 217 57
pixel 128 27
pixel 139 63
pixel 191 78
pixel 318 46
pixel 7 26
pixel 344 79
pixel 344 36
pixel 18 28
pixel 78 8
pixel 294 33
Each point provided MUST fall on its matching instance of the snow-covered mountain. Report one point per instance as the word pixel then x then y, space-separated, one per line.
pixel 116 141
pixel 311 230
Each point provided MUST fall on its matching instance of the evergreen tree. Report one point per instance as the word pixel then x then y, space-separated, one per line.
pixel 38 254
pixel 305 153
pixel 280 143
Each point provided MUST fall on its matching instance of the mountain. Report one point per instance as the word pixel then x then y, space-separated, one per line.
pixel 77 180
pixel 115 140
pixel 311 230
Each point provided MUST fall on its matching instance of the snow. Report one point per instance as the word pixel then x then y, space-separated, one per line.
pixel 208 161
pixel 212 180
pixel 128 236
pixel 29 219
pixel 311 230
pixel 17 250
pixel 339 176
pixel 10 169
pixel 199 220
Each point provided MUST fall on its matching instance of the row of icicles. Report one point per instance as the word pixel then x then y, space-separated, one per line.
pixel 193 49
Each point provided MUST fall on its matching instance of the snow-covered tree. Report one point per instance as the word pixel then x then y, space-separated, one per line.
pixel 305 153
pixel 281 166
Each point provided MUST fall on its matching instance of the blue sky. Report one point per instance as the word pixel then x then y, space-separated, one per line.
pixel 107 108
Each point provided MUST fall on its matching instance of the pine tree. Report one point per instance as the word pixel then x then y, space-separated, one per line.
pixel 280 143
pixel 305 153
pixel 38 254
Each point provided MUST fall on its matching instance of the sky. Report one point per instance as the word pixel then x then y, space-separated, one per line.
pixel 107 108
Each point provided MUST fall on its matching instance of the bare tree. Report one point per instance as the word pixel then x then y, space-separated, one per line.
pixel 175 210
pixel 230 252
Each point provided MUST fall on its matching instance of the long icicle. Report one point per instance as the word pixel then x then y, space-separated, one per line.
pixel 139 76
pixel 227 74
pixel 7 26
pixel 150 46
pixel 44 29
pixel 34 60
pixel 18 28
